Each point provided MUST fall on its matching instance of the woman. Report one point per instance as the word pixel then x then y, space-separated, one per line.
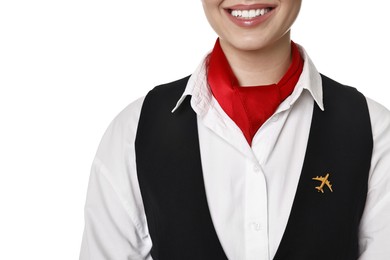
pixel 254 156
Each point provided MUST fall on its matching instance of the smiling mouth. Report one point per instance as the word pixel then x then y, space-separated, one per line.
pixel 249 13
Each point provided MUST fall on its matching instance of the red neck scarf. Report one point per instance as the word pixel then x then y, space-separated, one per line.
pixel 249 107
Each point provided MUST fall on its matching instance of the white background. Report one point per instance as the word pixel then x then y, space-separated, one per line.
pixel 68 67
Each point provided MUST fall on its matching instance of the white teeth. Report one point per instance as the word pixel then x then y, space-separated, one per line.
pixel 249 14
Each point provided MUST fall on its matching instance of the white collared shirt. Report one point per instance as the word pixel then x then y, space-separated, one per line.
pixel 250 190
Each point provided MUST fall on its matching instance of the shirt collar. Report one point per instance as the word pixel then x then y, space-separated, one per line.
pixel 311 79
pixel 198 88
pixel 201 96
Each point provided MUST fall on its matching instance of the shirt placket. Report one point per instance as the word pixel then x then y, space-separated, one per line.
pixel 256 217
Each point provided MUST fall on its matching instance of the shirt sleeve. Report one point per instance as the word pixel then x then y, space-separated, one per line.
pixel 375 224
pixel 115 222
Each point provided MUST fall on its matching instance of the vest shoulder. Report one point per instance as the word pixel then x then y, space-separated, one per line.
pixel 337 86
pixel 337 93
pixel 176 86
pixel 163 98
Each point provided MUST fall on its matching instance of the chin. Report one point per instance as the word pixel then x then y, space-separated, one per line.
pixel 251 44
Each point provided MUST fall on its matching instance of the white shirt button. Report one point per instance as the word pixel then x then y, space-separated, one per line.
pixel 275 118
pixel 257 168
pixel 256 226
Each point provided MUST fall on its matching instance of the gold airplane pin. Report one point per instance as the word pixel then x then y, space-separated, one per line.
pixel 323 180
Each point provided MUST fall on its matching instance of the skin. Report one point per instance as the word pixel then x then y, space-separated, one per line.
pixel 258 55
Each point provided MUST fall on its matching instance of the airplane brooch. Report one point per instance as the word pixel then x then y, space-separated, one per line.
pixel 324 181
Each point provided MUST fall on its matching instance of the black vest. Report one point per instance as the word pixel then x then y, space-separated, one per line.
pixel 321 226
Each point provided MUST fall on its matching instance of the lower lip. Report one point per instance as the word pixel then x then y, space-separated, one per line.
pixel 242 22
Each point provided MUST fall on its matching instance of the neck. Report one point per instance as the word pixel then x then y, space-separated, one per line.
pixel 265 66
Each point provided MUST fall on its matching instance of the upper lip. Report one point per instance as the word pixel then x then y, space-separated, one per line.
pixel 250 7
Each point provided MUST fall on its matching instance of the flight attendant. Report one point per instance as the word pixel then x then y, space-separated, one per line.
pixel 256 155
